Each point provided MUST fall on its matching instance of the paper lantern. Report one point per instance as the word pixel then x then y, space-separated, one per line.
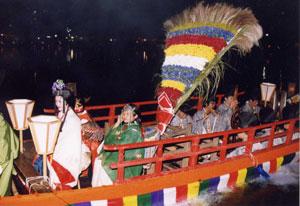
pixel 19 110
pixel 267 91
pixel 44 130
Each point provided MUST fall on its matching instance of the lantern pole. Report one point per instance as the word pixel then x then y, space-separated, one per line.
pixel 46 152
pixel 45 165
pixel 21 140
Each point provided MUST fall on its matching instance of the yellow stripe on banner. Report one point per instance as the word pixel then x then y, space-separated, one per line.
pixel 279 161
pixel 193 189
pixel 173 84
pixel 200 24
pixel 130 201
pixel 241 177
pixel 196 50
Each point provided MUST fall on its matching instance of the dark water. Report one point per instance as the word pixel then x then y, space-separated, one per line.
pixel 282 189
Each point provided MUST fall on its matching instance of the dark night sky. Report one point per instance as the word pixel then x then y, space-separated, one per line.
pixel 125 20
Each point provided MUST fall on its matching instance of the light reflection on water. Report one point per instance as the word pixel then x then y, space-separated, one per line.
pixel 281 189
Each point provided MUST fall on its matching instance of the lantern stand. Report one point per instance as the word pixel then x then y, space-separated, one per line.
pixel 267 91
pixel 44 130
pixel 19 110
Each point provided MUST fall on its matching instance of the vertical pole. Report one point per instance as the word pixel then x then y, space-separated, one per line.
pixel 44 165
pixel 21 140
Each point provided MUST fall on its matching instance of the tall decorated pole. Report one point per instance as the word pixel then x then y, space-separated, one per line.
pixel 195 42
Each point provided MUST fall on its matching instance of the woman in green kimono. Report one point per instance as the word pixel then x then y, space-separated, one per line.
pixel 9 147
pixel 125 131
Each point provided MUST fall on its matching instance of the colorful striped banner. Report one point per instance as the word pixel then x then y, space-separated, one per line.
pixel 170 196
pixel 173 195
pixel 205 30
pixel 232 179
pixel 266 167
pixel 157 198
pixel 273 166
pixel 144 200
pixel 279 162
pixel 186 75
pixel 181 193
pixel 185 61
pixel 223 183
pixel 241 177
pixel 201 51
pixel 130 200
pixel 213 184
pixel 193 190
pixel 216 43
pixel 99 203
pixel 202 24
pixel 173 84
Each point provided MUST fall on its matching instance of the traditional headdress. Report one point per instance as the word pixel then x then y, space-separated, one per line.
pixel 59 89
pixel 196 40
pixel 130 107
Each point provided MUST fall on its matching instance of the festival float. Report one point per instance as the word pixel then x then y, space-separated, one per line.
pixel 196 40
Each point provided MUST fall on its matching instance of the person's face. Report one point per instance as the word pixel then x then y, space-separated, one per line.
pixel 211 105
pixel 234 103
pixel 59 102
pixel 291 88
pixel 78 106
pixel 253 103
pixel 128 116
pixel 181 114
pixel 229 100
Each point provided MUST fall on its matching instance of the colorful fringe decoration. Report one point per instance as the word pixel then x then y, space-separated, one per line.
pixel 195 42
pixel 173 195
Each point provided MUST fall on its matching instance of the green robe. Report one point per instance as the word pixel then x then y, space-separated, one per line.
pixel 131 134
pixel 9 149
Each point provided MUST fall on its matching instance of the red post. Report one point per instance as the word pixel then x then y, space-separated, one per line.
pixel 224 147
pixel 158 163
pixel 120 169
pixel 251 135
pixel 111 114
pixel 271 137
pixel 290 131
pixel 194 148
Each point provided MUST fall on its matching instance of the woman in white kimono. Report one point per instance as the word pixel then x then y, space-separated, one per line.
pixel 65 165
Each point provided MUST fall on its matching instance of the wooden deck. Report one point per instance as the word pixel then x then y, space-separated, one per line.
pixel 25 171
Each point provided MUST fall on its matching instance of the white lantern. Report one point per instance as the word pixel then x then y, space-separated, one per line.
pixel 267 91
pixel 44 130
pixel 19 110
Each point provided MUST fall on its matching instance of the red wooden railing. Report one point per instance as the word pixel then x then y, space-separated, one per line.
pixel 109 113
pixel 195 150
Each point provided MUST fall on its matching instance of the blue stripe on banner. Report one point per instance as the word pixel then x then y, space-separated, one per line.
pixel 157 198
pixel 204 30
pixel 186 75
pixel 256 171
pixel 82 204
pixel 213 184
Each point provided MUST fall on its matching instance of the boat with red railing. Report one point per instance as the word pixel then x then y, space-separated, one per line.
pixel 266 148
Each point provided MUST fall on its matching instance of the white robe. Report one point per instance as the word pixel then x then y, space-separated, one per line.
pixel 100 177
pixel 67 151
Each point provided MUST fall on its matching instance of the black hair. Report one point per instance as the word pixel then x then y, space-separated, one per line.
pixel 67 96
pixel 185 108
pixel 207 101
